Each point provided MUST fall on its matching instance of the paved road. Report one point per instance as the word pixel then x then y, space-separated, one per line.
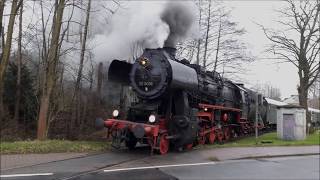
pixel 188 165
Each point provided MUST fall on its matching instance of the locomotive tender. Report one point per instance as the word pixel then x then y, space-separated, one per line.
pixel 180 104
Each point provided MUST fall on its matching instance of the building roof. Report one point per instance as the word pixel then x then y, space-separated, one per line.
pixel 288 105
pixel 314 110
pixel 293 99
pixel 275 102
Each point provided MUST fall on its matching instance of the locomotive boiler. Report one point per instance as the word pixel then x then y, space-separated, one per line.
pixel 180 104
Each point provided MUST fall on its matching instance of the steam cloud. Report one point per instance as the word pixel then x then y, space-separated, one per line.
pixel 144 25
pixel 138 26
pixel 180 19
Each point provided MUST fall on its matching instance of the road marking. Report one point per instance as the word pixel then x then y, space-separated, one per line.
pixel 26 175
pixel 162 166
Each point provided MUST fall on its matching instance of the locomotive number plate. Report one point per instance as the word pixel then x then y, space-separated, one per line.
pixel 143 83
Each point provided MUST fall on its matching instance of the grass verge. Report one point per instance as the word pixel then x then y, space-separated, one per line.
pixel 271 139
pixel 59 146
pixel 52 146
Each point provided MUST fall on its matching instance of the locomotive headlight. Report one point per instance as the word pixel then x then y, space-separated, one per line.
pixel 152 118
pixel 115 113
pixel 144 62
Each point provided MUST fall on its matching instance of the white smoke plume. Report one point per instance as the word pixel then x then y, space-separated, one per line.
pixel 142 25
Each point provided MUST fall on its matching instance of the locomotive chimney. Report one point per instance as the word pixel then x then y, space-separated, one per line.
pixel 171 51
pixel 179 17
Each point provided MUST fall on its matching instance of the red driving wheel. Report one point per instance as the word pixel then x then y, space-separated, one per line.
pixel 226 133
pixel 212 137
pixel 163 144
pixel 220 135
pixel 189 146
pixel 202 140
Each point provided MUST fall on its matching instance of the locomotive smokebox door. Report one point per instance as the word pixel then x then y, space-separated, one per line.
pixel 119 72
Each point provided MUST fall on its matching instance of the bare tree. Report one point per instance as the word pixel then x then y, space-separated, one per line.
pixel 218 48
pixel 206 41
pixel 7 49
pixel 268 91
pixel 52 62
pixel 48 44
pixel 227 53
pixel 192 49
pixel 199 40
pixel 19 62
pixel 2 3
pixel 82 54
pixel 301 18
pixel 99 78
pixel 314 93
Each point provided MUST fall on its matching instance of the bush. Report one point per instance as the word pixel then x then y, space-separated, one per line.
pixel 28 103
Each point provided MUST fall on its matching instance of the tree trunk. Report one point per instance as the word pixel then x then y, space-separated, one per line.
pixel 218 47
pixel 303 94
pixel 198 51
pixel 44 42
pixel 303 101
pixel 199 40
pixel 99 79
pixel 52 62
pixel 61 89
pixel 19 62
pixel 79 77
pixel 43 116
pixel 6 52
pixel 2 2
pixel 207 36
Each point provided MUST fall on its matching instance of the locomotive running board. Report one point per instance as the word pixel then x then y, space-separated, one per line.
pixel 203 106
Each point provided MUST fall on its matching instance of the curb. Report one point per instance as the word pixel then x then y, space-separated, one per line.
pixel 31 165
pixel 275 156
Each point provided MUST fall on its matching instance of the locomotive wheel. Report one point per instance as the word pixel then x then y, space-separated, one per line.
pixel 212 137
pixel 163 144
pixel 226 133
pixel 131 144
pixel 220 136
pixel 189 146
pixel 233 133
pixel 202 140
pixel 130 141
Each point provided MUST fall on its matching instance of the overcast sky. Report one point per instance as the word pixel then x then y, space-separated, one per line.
pixel 248 13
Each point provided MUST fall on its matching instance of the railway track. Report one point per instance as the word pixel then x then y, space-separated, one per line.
pixel 77 175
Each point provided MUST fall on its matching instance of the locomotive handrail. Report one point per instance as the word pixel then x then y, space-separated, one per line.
pixel 132 123
pixel 219 107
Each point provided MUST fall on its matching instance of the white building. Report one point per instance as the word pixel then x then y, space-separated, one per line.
pixel 292 100
pixel 291 122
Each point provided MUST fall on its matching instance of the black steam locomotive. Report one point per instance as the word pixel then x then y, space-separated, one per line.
pixel 180 104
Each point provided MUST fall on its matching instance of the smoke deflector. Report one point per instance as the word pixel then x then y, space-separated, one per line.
pixel 119 72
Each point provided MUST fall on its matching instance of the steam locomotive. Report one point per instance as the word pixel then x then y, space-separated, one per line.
pixel 180 104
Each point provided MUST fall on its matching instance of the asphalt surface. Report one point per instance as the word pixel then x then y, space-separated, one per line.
pixel 188 165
